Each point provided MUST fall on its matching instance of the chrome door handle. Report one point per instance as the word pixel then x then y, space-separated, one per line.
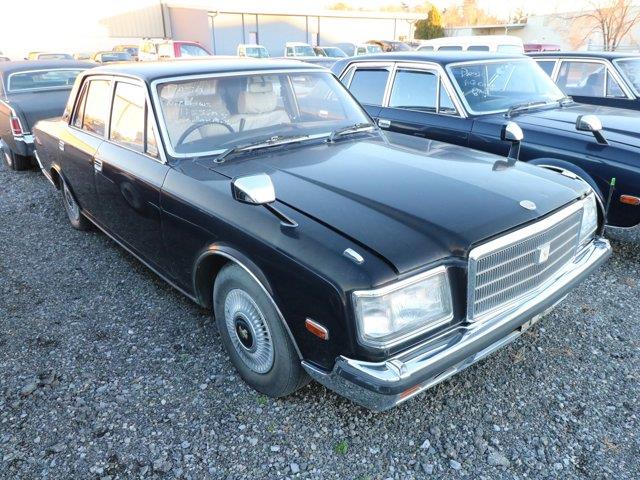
pixel 382 123
pixel 61 145
pixel 97 165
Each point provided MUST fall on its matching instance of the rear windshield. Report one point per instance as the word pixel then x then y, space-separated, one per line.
pixel 42 79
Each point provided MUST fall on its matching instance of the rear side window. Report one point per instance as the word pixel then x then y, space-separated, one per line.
pixel 96 107
pixel 478 48
pixel 368 85
pixel 128 116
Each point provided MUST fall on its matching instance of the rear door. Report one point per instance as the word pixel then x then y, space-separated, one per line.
pixel 420 103
pixel 129 173
pixel 82 137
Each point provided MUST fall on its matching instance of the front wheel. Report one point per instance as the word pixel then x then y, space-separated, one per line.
pixel 254 336
pixel 77 220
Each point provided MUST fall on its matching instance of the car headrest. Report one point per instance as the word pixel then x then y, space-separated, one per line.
pixel 260 85
pixel 258 98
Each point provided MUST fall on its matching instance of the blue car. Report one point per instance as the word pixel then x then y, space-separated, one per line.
pixel 598 78
pixel 466 98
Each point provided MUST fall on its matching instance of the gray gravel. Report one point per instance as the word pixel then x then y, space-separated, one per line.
pixel 106 372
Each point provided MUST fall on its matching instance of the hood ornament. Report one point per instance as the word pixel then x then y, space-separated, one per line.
pixel 528 204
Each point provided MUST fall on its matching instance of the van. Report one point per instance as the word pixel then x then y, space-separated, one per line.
pixel 474 43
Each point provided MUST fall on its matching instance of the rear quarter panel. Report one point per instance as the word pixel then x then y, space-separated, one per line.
pixel 47 134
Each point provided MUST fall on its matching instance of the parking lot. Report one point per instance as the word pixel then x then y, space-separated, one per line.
pixel 107 372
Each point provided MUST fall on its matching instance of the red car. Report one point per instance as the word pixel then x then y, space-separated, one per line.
pixel 541 47
pixel 154 49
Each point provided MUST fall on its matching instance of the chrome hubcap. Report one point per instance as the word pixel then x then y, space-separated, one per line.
pixel 70 204
pixel 248 330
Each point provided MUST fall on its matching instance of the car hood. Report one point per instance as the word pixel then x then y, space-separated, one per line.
pixel 407 207
pixel 620 125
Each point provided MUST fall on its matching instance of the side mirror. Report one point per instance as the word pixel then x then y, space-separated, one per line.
pixel 591 123
pixel 511 132
pixel 254 189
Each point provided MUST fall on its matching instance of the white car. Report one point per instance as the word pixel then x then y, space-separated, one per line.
pixel 474 43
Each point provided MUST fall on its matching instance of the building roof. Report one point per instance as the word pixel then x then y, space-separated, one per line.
pixel 149 71
pixel 607 55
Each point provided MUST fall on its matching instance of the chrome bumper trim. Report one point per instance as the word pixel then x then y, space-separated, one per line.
pixel 26 138
pixel 383 385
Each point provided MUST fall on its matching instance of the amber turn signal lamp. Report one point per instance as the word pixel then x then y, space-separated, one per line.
pixel 630 200
pixel 317 329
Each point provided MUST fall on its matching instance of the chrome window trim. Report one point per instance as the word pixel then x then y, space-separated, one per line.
pixel 69 87
pixel 609 70
pixel 484 62
pixel 394 287
pixel 370 65
pixel 503 241
pixel 636 93
pixel 158 109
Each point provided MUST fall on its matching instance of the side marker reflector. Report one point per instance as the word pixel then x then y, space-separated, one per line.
pixel 317 329
pixel 630 200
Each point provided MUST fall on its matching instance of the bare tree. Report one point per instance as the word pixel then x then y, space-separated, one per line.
pixel 613 19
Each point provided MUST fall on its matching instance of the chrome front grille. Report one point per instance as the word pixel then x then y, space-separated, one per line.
pixel 510 267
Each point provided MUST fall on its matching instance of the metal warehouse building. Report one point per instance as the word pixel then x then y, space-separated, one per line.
pixel 212 23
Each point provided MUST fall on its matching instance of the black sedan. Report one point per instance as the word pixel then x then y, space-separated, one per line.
pixel 599 78
pixel 30 91
pixel 465 98
pixel 262 190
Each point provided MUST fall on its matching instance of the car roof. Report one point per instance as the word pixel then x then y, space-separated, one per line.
pixel 443 58
pixel 607 55
pixel 149 71
pixel 27 65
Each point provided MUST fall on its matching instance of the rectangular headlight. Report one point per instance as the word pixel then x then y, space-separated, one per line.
pixel 589 218
pixel 392 314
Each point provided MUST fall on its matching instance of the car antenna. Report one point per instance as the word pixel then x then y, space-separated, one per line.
pixel 612 187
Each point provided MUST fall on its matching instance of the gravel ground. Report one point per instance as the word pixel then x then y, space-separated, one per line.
pixel 106 372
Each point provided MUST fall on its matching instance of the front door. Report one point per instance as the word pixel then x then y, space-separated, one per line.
pixel 420 105
pixel 129 175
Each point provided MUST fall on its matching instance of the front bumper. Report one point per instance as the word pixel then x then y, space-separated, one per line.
pixel 383 385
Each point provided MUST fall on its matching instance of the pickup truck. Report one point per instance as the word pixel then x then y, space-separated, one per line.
pixel 30 91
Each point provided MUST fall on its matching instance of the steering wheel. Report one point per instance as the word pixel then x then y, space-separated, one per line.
pixel 199 125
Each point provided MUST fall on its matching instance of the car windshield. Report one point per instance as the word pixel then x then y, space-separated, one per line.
pixel 334 52
pixel 115 57
pixel 207 116
pixel 257 52
pixel 304 51
pixel 42 79
pixel 190 50
pixel 630 70
pixel 373 49
pixel 496 86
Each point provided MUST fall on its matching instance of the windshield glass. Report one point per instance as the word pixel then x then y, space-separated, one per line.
pixel 42 79
pixel 630 70
pixel 190 50
pixel 495 86
pixel 257 52
pixel 373 49
pixel 210 115
pixel 304 51
pixel 334 52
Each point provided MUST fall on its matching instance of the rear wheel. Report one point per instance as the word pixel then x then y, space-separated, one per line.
pixel 77 220
pixel 15 161
pixel 254 336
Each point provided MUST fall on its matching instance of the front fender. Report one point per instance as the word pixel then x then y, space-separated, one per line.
pixel 562 165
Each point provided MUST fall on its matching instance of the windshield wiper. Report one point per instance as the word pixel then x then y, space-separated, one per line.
pixel 525 106
pixel 355 128
pixel 270 142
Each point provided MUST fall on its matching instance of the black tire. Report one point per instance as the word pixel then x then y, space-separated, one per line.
pixel 15 161
pixel 74 214
pixel 282 375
